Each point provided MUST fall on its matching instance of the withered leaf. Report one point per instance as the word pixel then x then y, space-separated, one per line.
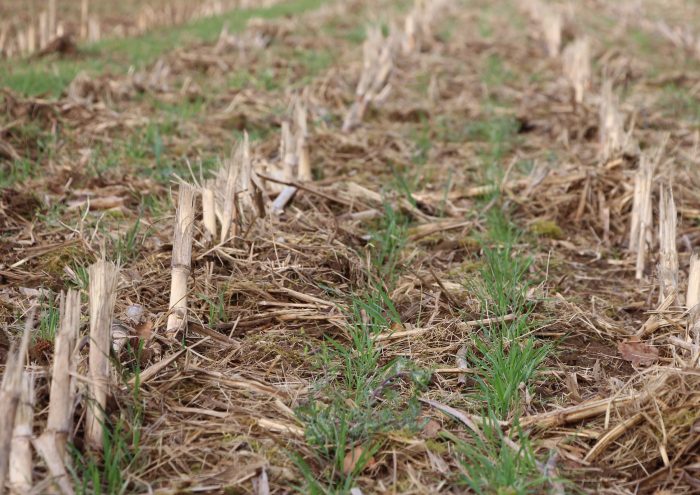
pixel 637 352
pixel 144 330
pixel 431 429
pixel 353 457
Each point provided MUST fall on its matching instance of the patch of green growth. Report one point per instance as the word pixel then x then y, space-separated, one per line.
pixel 642 39
pixel 387 242
pixel 422 138
pixel 546 228
pixel 216 307
pixel 16 171
pixel 359 397
pixel 185 109
pixel 360 400
pixel 494 73
pixel 127 246
pixel 52 75
pixel 677 102
pixel 240 79
pixel 493 463
pixel 157 205
pixel 110 471
pixel 507 358
pixel 49 319
pixel 81 280
pixel 314 61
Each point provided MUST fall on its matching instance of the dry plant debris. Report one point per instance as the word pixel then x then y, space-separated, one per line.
pixel 459 256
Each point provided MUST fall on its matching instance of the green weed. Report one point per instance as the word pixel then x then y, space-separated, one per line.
pixel 49 320
pixel 494 465
pixel 388 241
pixel 129 245
pixel 16 171
pixel 106 472
pixel 216 307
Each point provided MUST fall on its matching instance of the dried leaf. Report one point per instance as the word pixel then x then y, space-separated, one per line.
pixel 637 352
pixel 431 429
pixel 144 330
pixel 353 457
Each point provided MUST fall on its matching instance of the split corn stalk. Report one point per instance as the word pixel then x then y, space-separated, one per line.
pixel 21 448
pixel 102 293
pixel 10 394
pixel 238 190
pixel 84 15
pixel 373 86
pixel 668 254
pixel 693 304
pixel 209 209
pixel 577 67
pixel 640 231
pixel 294 151
pixel 51 445
pixel 613 138
pixel 551 24
pixel 181 261
pixel 52 19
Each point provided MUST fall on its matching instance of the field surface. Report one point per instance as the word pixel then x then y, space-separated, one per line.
pixel 354 246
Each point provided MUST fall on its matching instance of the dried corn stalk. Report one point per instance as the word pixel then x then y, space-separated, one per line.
pixel 52 19
pixel 59 424
pixel 237 191
pixel 577 67
pixel 181 260
pixel 668 254
pixel 693 304
pixel 102 293
pixel 613 138
pixel 84 15
pixel 641 218
pixel 21 452
pixel 693 294
pixel 294 152
pixel 373 86
pixel 209 209
pixel 551 25
pixel 418 24
pixel 10 394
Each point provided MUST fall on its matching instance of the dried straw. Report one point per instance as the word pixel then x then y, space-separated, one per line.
pixel 668 254
pixel 102 292
pixel 62 389
pixel 10 393
pixel 577 67
pixel 181 260
pixel 21 451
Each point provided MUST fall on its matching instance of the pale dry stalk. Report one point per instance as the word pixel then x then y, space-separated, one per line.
pixel 209 209
pixel 613 138
pixel 642 216
pixel 181 261
pixel 295 154
pixel 668 253
pixel 44 36
pixel 577 67
pixel 21 450
pixel 59 423
pixel 84 16
pixel 551 22
pixel 373 86
pixel 693 303
pixel 102 294
pixel 52 19
pixel 10 394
